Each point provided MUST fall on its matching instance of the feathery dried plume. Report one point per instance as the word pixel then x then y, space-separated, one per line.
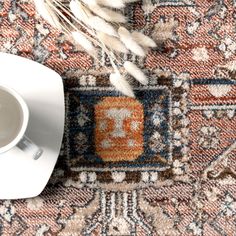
pixel 129 1
pixel 107 14
pixel 143 40
pixel 133 70
pixel 80 12
pixel 112 42
pixel 89 2
pixel 83 41
pixel 99 24
pixel 94 25
pixel 129 42
pixel 48 15
pixel 121 84
pixel 111 3
pixel 95 22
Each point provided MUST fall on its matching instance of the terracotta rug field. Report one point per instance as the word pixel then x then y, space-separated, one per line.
pixel 162 164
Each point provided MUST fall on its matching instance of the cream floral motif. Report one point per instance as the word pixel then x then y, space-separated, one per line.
pixel 119 226
pixel 200 54
pixel 88 177
pixel 227 71
pixel 42 230
pixel 209 137
pixel 156 142
pixel 81 142
pixel 195 228
pixel 230 113
pixel 135 125
pixel 89 80
pixel 193 27
pixel 164 30
pixel 131 143
pixel 106 143
pixel 122 221
pixel 158 117
pixel 150 176
pixel 228 207
pixel 82 117
pixel 208 114
pixel 42 29
pixel 178 167
pixel 77 221
pixel 228 47
pixel 103 125
pixel 118 176
pixel 34 204
pixel 163 224
pixel 212 194
pixel 177 139
pixel 8 45
pixel 230 66
pixel 219 90
pixel 177 108
pixel 7 210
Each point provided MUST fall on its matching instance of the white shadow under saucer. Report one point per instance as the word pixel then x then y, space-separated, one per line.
pixel 42 89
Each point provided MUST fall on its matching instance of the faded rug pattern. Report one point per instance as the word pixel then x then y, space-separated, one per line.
pixel 162 164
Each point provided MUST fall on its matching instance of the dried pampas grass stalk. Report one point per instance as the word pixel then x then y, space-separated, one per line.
pixel 47 14
pixel 99 24
pixel 111 3
pixel 133 70
pixel 83 41
pixel 107 14
pixel 121 84
pixel 143 40
pixel 129 42
pixel 112 42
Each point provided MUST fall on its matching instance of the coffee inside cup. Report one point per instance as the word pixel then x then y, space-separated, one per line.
pixel 11 118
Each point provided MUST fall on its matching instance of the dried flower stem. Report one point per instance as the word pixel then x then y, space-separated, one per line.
pixel 100 28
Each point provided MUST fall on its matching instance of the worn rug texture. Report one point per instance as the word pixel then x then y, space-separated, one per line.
pixel 162 164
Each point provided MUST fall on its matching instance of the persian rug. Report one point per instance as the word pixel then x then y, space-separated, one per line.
pixel 162 164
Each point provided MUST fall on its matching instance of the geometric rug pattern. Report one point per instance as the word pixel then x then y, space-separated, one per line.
pixel 162 163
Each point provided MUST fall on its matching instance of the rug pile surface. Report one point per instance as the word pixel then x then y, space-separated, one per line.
pixel 162 164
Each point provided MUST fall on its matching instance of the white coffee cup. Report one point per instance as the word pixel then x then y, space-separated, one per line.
pixel 14 118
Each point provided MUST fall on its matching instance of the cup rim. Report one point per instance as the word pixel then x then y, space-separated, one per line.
pixel 25 111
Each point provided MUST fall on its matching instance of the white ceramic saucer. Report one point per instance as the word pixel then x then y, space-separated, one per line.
pixel 42 89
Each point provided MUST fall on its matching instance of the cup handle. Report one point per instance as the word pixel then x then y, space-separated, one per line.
pixel 28 146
